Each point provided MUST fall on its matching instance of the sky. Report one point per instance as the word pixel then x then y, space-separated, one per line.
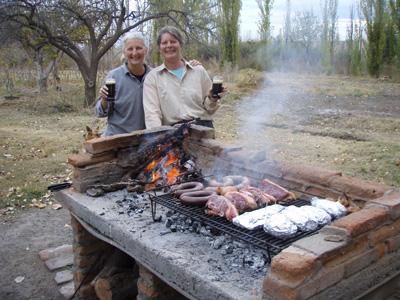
pixel 250 15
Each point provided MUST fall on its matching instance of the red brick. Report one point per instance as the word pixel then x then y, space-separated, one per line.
pixel 360 262
pixel 85 159
pixel 83 262
pixel 79 185
pixel 320 283
pixel 197 132
pixel 84 237
pixel 384 232
pixel 293 266
pixel 238 156
pixel 101 170
pixel 154 293
pixel 362 221
pixel 353 248
pixel 356 187
pixel 391 202
pixel 272 168
pixel 80 276
pixel 393 244
pixel 219 148
pixel 54 252
pixel 309 174
pixel 89 249
pixel 381 248
pixel 76 225
pixel 324 193
pixel 276 290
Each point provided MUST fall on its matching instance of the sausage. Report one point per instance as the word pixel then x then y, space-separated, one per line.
pixel 187 187
pixel 226 181
pixel 239 181
pixel 197 198
pixel 227 189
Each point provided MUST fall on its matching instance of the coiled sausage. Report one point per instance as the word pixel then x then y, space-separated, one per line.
pixel 187 187
pixel 197 198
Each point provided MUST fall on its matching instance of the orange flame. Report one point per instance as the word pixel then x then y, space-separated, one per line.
pixel 172 175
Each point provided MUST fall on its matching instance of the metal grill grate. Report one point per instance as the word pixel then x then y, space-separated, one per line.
pixel 258 238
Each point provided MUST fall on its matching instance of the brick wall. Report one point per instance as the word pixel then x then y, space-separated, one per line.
pixel 344 258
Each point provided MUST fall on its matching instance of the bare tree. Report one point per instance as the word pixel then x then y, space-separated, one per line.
pixel 72 26
pixel 305 30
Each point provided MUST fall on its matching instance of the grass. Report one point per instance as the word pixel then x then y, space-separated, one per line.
pixel 38 133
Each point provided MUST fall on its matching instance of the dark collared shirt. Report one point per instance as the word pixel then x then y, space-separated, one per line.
pixel 128 114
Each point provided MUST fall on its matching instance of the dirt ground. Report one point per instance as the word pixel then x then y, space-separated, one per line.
pixel 23 235
pixel 339 123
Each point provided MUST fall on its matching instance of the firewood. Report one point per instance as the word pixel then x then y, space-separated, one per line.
pixel 118 278
pixel 118 286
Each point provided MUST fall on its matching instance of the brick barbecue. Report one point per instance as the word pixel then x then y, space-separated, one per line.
pixel 344 260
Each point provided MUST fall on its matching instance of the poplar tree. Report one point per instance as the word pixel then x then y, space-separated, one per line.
pixel 264 29
pixel 329 34
pixel 375 15
pixel 230 13
pixel 353 43
pixel 395 16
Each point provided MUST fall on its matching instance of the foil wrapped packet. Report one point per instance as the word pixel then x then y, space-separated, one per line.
pixel 300 219
pixel 255 219
pixel 317 214
pixel 280 226
pixel 333 208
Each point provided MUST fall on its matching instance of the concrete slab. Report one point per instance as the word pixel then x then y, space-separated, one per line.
pixel 67 290
pixel 63 276
pixel 55 252
pixel 59 262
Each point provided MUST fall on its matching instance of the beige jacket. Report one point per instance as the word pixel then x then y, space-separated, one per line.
pixel 168 100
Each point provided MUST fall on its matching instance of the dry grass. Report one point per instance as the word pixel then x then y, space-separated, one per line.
pixel 332 122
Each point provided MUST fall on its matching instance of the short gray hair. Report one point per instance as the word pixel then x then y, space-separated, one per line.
pixel 135 35
pixel 172 31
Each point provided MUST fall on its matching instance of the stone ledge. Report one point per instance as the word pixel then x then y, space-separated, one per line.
pixel 104 144
pixel 85 159
pixel 219 148
pixel 198 132
pixel 309 174
pixel 390 202
pixel 356 187
pixel 293 266
pixel 384 232
pixel 362 221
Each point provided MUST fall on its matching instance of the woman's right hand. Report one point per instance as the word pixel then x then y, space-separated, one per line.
pixel 103 92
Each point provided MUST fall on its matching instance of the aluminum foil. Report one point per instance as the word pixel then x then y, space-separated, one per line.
pixel 300 219
pixel 333 208
pixel 256 219
pixel 317 214
pixel 280 226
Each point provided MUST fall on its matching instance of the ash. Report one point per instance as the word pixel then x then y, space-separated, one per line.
pixel 238 256
pixel 129 203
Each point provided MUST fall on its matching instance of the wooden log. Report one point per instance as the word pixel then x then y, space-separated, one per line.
pixel 119 286
pixel 118 278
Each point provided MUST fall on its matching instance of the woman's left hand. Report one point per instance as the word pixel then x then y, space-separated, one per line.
pixel 194 63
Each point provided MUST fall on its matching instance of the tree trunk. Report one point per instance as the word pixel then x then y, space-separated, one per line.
pixel 90 85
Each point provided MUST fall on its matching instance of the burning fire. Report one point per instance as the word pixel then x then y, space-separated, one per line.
pixel 162 169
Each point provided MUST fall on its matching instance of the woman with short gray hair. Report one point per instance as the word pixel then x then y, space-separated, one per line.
pixel 125 113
